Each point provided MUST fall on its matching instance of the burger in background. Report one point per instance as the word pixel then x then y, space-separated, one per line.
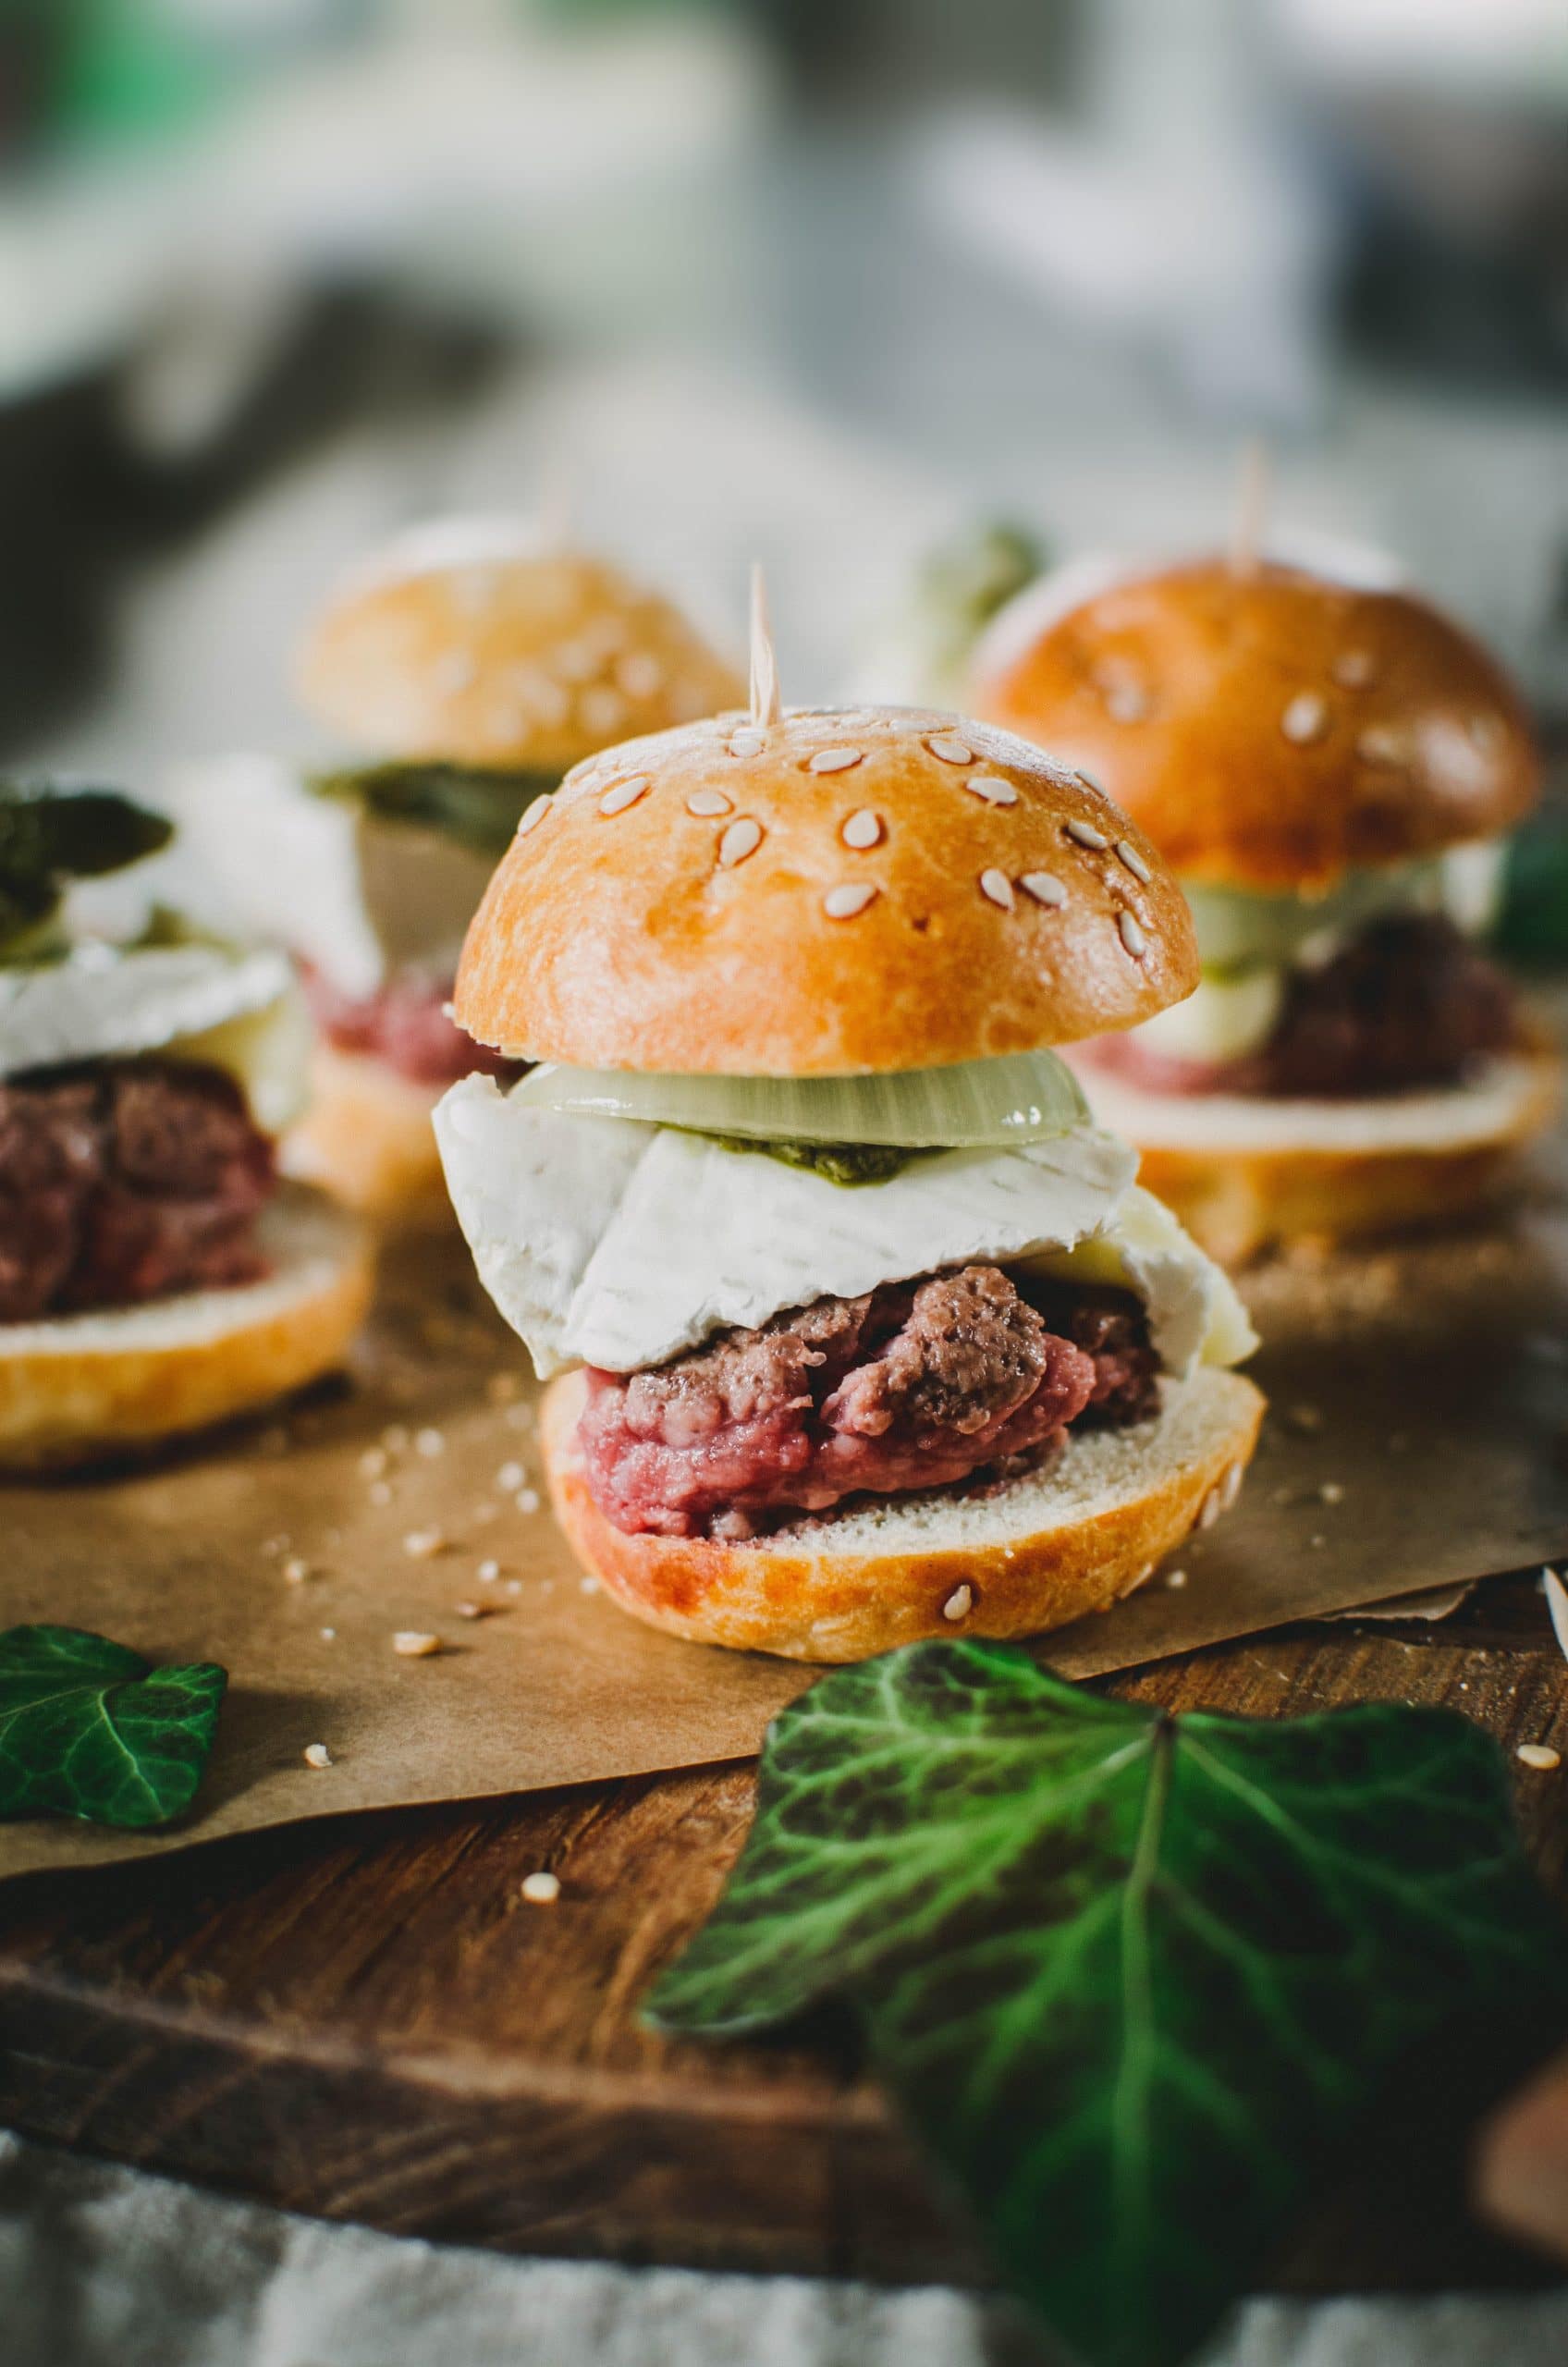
pixel 155 1277
pixel 464 668
pixel 1331 768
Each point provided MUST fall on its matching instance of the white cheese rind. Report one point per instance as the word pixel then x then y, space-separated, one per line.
pixel 607 1243
pixel 355 896
pixel 101 1002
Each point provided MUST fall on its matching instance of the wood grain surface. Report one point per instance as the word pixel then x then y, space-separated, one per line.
pixel 364 2019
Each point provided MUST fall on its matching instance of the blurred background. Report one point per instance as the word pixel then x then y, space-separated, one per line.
pixel 830 282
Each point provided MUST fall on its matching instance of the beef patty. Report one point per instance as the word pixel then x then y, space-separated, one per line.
pixel 1406 1003
pixel 404 1023
pixel 913 1385
pixel 124 1182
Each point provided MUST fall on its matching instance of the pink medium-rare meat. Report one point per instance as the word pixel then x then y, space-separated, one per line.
pixel 404 1023
pixel 913 1385
pixel 124 1182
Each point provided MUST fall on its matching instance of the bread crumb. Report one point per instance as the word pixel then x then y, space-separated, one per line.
pixel 295 1571
pixel 502 1387
pixel 420 1544
pixel 379 1492
pixel 1538 1754
pixel 373 1463
pixel 430 1443
pixel 317 1754
pixel 487 1573
pixel 395 1437
pixel 1306 1417
pixel 412 1644
pixel 527 1500
pixel 1176 1579
pixel 541 1889
pixel 1331 1492
pixel 510 1478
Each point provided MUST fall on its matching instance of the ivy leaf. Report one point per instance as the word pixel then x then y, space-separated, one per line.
pixel 88 1728
pixel 479 806
pixel 1130 1976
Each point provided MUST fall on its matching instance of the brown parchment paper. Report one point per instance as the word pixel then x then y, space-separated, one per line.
pixel 1419 1396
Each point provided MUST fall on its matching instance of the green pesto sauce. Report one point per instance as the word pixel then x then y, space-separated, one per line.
pixel 849 1164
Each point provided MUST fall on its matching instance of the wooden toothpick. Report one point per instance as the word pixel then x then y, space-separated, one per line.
pixel 766 706
pixel 1252 505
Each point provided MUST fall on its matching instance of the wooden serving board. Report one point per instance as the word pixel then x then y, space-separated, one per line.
pixel 363 2018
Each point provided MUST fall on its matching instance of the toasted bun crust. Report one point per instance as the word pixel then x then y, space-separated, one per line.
pixel 366 1138
pixel 1071 1538
pixel 1269 729
pixel 83 1387
pixel 628 930
pixel 1244 1175
pixel 528 658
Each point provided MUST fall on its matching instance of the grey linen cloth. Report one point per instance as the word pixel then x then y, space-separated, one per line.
pixel 108 2267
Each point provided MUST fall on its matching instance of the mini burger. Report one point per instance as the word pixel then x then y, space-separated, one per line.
pixel 1330 768
pixel 155 1276
pixel 464 669
pixel 860 1331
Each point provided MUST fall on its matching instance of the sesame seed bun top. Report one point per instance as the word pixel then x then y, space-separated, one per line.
pixel 469 642
pixel 1270 728
pixel 842 891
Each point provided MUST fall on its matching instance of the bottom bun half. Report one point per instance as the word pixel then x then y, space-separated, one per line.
pixel 367 1138
pixel 1037 1552
pixel 77 1389
pixel 1242 1175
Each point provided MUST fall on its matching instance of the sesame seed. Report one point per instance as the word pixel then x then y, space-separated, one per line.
pixel 514 1585
pixel 1353 668
pixel 998 887
pixel 527 1500
pixel 1090 782
pixel 423 1544
pixel 1331 1492
pixel 992 788
pixel 588 1586
pixel 379 1492
pixel 1231 1486
pixel 1133 860
pixel 745 744
pixel 708 803
pixel 835 760
pixel 843 902
pixel 295 1572
pixel 487 1573
pixel 739 839
pixel 1176 1580
pixel 414 1644
pixel 1539 1754
pixel 532 815
pixel 1304 719
pixel 949 749
pixel 329 1635
pixel 1126 703
pixel 1087 834
pixel 1380 745
pixel 626 792
pixel 373 1463
pixel 861 829
pixel 1210 1509
pixel 430 1442
pixel 471 1610
pixel 1045 886
pixel 1132 937
pixel 959 1604
pixel 541 1889
pixel 316 1754
pixel 510 1478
